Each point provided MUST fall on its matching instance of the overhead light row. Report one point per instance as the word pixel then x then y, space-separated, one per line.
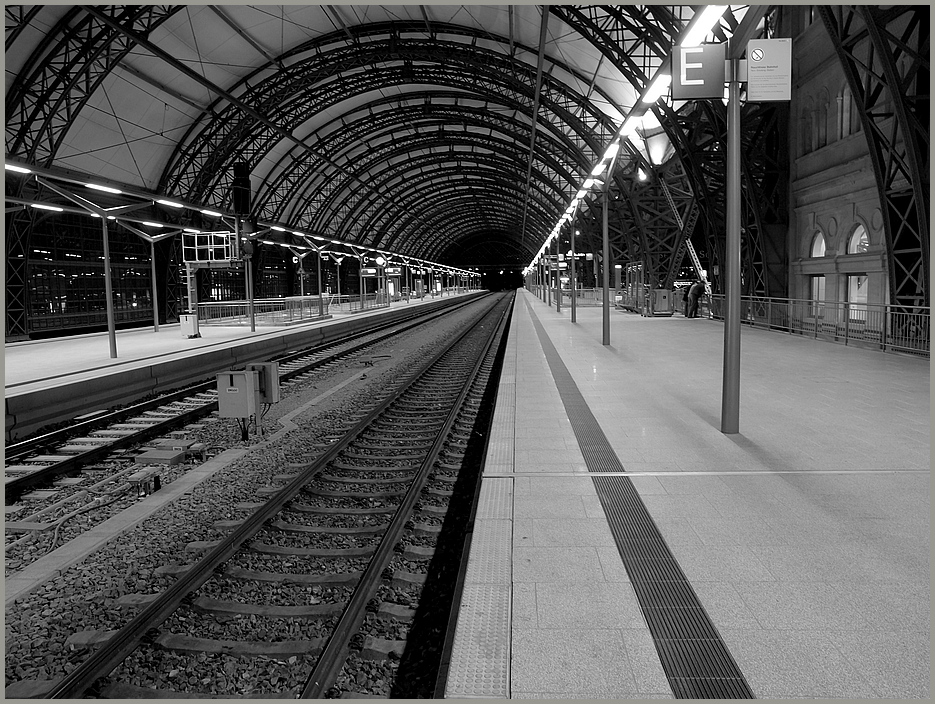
pixel 699 27
pixel 214 214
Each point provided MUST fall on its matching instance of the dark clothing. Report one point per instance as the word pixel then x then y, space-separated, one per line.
pixel 694 293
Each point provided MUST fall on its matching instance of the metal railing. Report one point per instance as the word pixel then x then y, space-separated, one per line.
pixel 885 327
pixel 269 311
pixel 584 296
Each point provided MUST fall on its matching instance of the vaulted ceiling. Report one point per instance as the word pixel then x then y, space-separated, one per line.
pixel 413 128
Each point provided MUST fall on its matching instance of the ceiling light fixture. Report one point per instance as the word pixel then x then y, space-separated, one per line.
pixel 701 24
pixel 106 189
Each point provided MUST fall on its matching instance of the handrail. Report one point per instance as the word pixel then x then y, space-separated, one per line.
pixel 887 327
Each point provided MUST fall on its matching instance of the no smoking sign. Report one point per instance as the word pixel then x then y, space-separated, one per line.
pixel 769 69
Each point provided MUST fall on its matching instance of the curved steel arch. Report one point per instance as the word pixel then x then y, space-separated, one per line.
pixel 764 195
pixel 478 71
pixel 885 55
pixel 446 140
pixel 53 85
pixel 64 71
pixel 418 187
pixel 461 211
pixel 489 242
pixel 392 157
pixel 295 175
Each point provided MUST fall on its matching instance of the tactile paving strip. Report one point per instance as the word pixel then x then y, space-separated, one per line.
pixel 490 553
pixel 480 657
pixel 496 500
pixel 695 659
pixel 479 667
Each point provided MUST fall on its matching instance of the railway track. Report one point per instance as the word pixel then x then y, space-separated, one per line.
pixel 320 585
pixel 41 460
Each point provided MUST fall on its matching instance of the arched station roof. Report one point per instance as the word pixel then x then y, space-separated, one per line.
pixel 403 127
pixel 453 133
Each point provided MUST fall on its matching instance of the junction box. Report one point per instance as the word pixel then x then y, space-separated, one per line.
pixel 239 393
pixel 268 379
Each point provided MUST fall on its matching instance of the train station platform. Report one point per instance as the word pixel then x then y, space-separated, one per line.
pixel 625 548
pixel 76 374
pixel 33 364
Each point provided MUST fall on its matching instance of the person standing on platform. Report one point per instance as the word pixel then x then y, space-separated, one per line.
pixel 694 293
pixel 685 300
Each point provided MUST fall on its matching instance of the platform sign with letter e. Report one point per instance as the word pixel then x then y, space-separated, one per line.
pixel 769 69
pixel 698 72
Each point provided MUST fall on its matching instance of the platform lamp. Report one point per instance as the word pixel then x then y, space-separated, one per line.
pixel 319 249
pixel 337 260
pixel 240 199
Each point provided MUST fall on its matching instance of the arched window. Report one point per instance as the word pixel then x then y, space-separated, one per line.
pixel 822 118
pixel 805 127
pixel 845 107
pixel 818 245
pixel 858 242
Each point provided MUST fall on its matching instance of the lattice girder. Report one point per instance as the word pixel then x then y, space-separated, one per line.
pixel 63 73
pixel 418 199
pixel 298 90
pixel 376 163
pixel 297 174
pixel 395 165
pixel 885 56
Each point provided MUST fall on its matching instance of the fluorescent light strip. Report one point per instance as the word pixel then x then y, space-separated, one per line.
pixel 702 24
pixel 657 89
pixel 106 189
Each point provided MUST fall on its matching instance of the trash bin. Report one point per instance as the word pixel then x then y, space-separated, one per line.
pixel 189 325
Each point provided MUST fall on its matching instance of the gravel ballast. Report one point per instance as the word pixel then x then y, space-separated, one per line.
pixel 85 597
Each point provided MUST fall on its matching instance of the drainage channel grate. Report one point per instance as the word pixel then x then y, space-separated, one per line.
pixel 695 659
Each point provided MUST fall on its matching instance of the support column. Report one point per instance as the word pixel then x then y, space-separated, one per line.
pixel 109 292
pixel 730 392
pixel 152 264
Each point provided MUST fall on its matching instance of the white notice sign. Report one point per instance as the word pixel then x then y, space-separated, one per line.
pixel 769 69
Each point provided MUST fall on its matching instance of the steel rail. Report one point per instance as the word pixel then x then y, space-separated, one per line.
pixel 335 652
pixel 45 475
pixel 127 639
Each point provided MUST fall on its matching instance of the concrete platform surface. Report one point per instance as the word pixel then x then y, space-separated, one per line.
pixel 805 536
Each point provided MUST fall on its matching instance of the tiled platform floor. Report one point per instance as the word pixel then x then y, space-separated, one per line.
pixel 35 364
pixel 806 536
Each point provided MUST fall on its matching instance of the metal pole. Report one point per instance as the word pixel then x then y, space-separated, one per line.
pixel 109 292
pixel 250 307
pixel 571 265
pixel 730 393
pixel 558 276
pixel 321 303
pixel 152 262
pixel 548 283
pixel 605 256
pixel 360 279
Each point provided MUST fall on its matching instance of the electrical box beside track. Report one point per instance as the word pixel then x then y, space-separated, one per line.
pixel 239 394
pixel 269 380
